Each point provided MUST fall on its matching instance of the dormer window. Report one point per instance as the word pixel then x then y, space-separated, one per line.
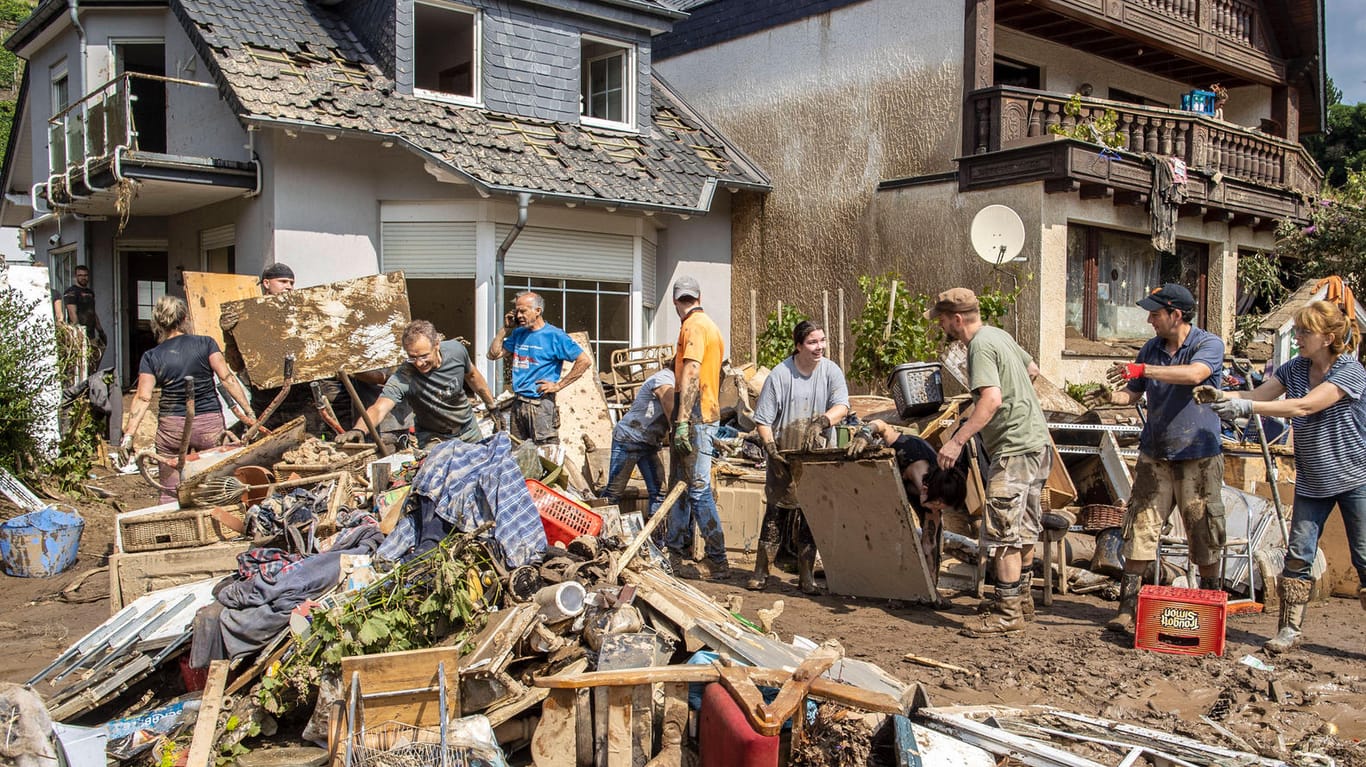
pixel 607 83
pixel 445 51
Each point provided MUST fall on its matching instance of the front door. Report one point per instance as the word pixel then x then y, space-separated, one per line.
pixel 144 282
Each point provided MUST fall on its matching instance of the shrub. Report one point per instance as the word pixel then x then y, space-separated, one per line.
pixel 775 340
pixel 27 379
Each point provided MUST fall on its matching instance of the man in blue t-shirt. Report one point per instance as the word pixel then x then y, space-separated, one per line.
pixel 1180 460
pixel 538 351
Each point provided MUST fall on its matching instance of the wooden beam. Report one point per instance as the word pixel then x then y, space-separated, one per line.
pixel 1061 185
pixel 1193 209
pixel 1218 216
pixel 205 735
pixel 1130 197
pixel 979 61
pixel 1245 219
pixel 1097 191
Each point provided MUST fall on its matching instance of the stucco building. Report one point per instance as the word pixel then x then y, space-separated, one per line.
pixel 347 137
pixel 887 125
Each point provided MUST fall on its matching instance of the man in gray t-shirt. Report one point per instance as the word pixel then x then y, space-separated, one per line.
pixel 804 396
pixel 637 437
pixel 432 382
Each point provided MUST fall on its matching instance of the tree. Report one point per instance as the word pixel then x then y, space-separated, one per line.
pixel 1343 146
pixel 1334 241
pixel 12 14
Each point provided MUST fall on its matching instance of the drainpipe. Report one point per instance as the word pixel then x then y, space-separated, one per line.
pixel 74 9
pixel 499 262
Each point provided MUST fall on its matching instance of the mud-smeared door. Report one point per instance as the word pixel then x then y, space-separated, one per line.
pixel 144 281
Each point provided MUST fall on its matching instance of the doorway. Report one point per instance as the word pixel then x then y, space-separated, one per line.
pixel 148 96
pixel 145 281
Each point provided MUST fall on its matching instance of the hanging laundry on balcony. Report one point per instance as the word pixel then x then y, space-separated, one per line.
pixel 1166 197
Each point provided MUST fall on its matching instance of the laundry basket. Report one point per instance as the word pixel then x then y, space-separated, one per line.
pixel 917 387
pixel 40 543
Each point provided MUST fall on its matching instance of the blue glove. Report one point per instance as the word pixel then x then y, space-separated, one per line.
pixel 1232 409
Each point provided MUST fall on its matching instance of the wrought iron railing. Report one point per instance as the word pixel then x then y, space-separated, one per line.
pixel 1004 117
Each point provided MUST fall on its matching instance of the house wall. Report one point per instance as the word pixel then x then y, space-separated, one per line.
pixel 199 122
pixel 699 247
pixel 829 106
pixel 1064 69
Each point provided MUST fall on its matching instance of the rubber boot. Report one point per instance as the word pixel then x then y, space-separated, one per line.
pixel 1294 601
pixel 806 570
pixel 1005 619
pixel 1027 603
pixel 762 561
pixel 1123 622
pixel 1361 594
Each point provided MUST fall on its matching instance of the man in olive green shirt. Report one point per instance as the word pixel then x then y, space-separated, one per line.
pixel 1007 415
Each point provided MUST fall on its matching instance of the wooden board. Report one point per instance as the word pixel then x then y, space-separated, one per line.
pixel 865 529
pixel 206 292
pixel 414 671
pixel 263 452
pixel 583 412
pixel 202 749
pixel 353 324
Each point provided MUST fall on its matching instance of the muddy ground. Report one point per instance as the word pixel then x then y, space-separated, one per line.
pixel 1065 659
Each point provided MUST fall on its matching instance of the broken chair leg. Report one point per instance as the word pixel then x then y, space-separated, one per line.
pixel 364 415
pixel 275 403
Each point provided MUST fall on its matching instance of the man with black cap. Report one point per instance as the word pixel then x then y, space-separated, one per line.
pixel 1006 412
pixel 697 373
pixel 1180 458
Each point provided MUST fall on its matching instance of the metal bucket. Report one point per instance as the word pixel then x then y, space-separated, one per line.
pixel 40 543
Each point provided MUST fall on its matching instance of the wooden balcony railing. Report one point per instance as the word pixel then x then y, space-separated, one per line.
pixel 1005 117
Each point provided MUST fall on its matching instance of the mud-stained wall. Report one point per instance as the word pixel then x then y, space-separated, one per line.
pixel 830 107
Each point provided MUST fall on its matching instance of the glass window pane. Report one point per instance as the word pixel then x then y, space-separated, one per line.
pixel 615 321
pixel 1076 277
pixel 1128 269
pixel 580 285
pixel 581 311
pixel 603 354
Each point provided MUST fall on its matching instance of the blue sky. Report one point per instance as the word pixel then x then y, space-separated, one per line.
pixel 1344 32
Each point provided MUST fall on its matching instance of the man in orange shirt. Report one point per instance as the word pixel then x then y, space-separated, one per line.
pixel 697 373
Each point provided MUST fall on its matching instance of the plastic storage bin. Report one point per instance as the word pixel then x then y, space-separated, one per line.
pixel 40 543
pixel 1198 101
pixel 917 387
pixel 1181 621
pixel 563 519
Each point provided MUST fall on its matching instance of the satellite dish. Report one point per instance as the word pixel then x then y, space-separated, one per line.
pixel 998 234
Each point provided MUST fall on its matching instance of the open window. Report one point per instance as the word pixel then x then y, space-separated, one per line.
pixel 1109 271
pixel 606 83
pixel 445 50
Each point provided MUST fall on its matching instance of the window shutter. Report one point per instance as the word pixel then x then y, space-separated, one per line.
pixel 649 293
pixel 564 253
pixel 433 249
pixel 218 237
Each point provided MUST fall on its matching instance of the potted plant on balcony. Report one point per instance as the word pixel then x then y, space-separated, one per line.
pixel 1101 128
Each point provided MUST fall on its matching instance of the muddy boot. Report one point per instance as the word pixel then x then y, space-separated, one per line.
pixel 1027 604
pixel 1123 622
pixel 1005 619
pixel 806 570
pixel 1361 594
pixel 762 561
pixel 1294 601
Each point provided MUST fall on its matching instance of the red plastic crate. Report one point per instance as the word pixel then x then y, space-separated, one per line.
pixel 1181 621
pixel 563 519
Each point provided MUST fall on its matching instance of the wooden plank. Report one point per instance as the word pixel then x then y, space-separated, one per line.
pixel 583 728
pixel 205 294
pixel 867 534
pixel 553 743
pixel 673 726
pixel 619 714
pixel 1117 474
pixel 206 722
pixel 263 452
pixel 414 671
pixel 583 413
pixel 354 325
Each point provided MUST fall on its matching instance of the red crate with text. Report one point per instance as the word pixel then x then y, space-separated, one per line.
pixel 1181 621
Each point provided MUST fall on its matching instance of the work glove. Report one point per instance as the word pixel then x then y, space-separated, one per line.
pixel 228 318
pixel 682 439
pixel 814 430
pixel 1124 372
pixel 863 439
pixel 1096 397
pixel 126 444
pixel 497 419
pixel 1232 409
pixel 1207 394
pixel 351 436
pixel 781 469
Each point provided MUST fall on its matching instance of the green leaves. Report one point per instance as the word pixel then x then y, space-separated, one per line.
pixel 775 341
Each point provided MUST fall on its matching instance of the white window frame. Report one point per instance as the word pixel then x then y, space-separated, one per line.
pixel 628 83
pixel 58 73
pixel 476 54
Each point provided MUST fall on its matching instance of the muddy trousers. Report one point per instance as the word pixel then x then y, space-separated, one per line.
pixel 203 435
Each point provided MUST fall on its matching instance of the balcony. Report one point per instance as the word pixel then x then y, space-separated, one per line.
pixel 1233 171
pixel 107 153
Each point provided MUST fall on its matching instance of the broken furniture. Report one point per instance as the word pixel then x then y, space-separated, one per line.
pixel 395 694
pixel 630 368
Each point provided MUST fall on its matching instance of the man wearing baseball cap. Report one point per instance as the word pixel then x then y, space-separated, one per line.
pixel 1180 458
pixel 697 373
pixel 1006 413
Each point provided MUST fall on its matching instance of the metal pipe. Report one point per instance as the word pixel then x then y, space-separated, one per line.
pixel 500 262
pixel 365 418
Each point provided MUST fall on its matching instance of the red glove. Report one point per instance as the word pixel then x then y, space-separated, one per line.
pixel 1133 370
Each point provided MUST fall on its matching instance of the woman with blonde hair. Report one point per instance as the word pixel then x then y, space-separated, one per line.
pixel 1325 398
pixel 177 356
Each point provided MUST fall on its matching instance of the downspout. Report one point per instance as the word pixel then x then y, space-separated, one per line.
pixel 499 263
pixel 74 9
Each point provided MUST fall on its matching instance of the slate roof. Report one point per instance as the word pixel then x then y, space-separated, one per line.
pixel 291 61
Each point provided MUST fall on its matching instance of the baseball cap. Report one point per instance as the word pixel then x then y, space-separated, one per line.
pixel 687 286
pixel 277 271
pixel 953 301
pixel 1169 296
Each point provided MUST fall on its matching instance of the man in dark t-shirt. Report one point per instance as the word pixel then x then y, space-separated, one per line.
pixel 79 304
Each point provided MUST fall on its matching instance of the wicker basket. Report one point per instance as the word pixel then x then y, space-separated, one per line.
pixel 174 530
pixel 1099 516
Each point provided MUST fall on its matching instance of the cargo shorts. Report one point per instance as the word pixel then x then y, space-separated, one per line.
pixel 536 419
pixel 1014 509
pixel 1194 486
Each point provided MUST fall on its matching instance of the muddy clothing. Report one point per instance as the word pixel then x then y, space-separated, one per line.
pixel 1194 486
pixel 782 506
pixel 204 433
pixel 1014 510
pixel 1018 427
pixel 1178 428
pixel 83 299
pixel 536 419
pixel 173 359
pixel 538 355
pixel 910 449
pixel 699 340
pixel 646 423
pixel 441 411
pixel 790 399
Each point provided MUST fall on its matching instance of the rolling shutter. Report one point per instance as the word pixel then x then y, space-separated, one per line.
pixel 565 253
pixel 649 294
pixel 432 249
